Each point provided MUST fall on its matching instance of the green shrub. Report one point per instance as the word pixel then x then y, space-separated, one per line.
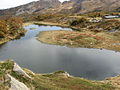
pixel 96 14
pixel 78 21
pixel 2 34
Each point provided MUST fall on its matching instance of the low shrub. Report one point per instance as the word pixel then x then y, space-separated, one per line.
pixel 2 34
pixel 79 21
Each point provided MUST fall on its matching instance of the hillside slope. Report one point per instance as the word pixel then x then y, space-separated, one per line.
pixel 67 7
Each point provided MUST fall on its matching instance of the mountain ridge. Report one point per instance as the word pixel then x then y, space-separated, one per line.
pixel 67 7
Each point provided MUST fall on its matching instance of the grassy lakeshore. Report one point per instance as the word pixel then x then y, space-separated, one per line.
pixel 92 32
pixel 59 80
pixel 86 36
pixel 80 39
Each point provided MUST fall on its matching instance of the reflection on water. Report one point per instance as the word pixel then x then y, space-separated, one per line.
pixel 42 58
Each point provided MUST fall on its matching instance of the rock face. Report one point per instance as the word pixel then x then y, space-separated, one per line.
pixel 41 6
pixel 65 75
pixel 85 6
pixel 19 70
pixel 16 85
pixel 67 7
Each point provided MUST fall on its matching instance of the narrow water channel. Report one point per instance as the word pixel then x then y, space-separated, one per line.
pixel 92 64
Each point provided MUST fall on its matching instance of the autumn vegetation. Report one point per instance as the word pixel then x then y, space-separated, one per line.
pixel 96 14
pixel 99 14
pixel 101 26
pixel 11 27
pixel 102 34
pixel 3 28
pixel 93 31
pixel 79 21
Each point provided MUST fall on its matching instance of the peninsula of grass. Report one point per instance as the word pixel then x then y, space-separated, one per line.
pixel 85 39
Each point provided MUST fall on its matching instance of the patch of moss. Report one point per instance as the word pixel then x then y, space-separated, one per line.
pixel 58 72
pixel 7 65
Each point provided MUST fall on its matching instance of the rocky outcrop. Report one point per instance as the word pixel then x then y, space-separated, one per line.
pixel 19 70
pixel 16 85
pixel 65 74
pixel 41 6
pixel 67 7
pixel 86 6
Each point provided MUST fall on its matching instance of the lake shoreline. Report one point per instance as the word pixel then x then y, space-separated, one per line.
pixel 7 39
pixel 28 78
pixel 112 42
pixel 65 38
pixel 78 39
pixel 51 24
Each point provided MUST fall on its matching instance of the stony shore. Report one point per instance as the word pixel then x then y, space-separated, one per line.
pixel 13 77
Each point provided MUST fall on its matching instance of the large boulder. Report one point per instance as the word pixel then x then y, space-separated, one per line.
pixel 19 70
pixel 16 85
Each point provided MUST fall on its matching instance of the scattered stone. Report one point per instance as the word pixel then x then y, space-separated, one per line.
pixel 65 75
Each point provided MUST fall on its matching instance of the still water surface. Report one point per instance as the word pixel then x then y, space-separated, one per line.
pixel 92 64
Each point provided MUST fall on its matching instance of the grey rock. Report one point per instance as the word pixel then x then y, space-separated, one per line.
pixel 19 70
pixel 16 85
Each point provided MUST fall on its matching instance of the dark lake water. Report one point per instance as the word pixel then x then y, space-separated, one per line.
pixel 92 64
